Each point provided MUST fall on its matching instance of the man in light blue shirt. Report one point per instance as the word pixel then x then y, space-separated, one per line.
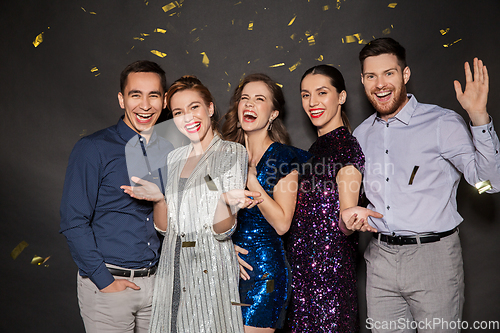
pixel 415 156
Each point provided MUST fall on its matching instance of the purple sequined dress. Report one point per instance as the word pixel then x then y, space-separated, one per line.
pixel 322 258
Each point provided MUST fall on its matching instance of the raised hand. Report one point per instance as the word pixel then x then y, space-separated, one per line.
pixel 475 96
pixel 144 191
pixel 356 218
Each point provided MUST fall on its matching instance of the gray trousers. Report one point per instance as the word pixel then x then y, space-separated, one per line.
pixel 125 311
pixel 410 287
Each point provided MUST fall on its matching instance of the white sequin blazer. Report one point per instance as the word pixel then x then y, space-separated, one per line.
pixel 208 270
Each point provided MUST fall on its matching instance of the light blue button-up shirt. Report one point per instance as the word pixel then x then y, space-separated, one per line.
pixel 414 162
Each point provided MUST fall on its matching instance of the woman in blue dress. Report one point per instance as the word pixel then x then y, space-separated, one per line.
pixel 254 121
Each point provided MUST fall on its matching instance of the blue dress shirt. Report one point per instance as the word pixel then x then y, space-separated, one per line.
pixel 414 162
pixel 103 224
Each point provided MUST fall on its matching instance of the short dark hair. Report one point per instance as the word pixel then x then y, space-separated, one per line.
pixel 383 46
pixel 142 66
pixel 336 80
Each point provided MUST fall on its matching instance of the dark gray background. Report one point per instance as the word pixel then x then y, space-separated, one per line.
pixel 50 98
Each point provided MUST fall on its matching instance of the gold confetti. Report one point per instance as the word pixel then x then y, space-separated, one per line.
pixel 483 186
pixel 168 7
pixel 279 85
pixel 392 5
pixel 237 3
pixel 205 60
pixel 250 25
pixel 311 40
pixel 160 30
pixel 93 13
pixel 159 54
pixel 338 4
pixel 353 39
pixel 448 45
pixel 37 260
pixel 174 13
pixel 292 20
pixel 130 49
pixel 38 40
pixel 95 69
pixel 278 65
pixel 83 9
pixel 18 249
pixel 320 58
pixel 84 132
pixel 139 38
pixel 193 30
pixel 294 67
pixel 386 31
pixel 97 74
pixel 279 47
pixel 144 34
pixel 197 39
pixel 326 7
pixel 293 36
pixel 226 74
pixel 444 32
pixel 228 86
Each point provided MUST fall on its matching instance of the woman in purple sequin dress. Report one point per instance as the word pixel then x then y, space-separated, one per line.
pixel 321 248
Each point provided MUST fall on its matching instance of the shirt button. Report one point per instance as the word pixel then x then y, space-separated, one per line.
pixel 387 179
pixel 484 131
pixel 388 207
pixel 184 289
pixel 387 125
pixel 147 219
pixel 387 151
pixel 183 234
pixel 149 243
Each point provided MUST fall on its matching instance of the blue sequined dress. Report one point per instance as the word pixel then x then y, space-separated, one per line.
pixel 267 290
pixel 322 258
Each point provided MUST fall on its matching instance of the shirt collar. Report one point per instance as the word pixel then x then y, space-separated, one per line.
pixel 131 136
pixel 405 114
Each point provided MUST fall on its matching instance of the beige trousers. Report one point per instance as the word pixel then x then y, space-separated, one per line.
pixel 127 311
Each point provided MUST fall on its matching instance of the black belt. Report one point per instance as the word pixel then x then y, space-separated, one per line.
pixel 136 272
pixel 405 240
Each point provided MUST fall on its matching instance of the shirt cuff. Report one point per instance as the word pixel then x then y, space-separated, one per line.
pixel 102 277
pixel 483 132
pixel 225 235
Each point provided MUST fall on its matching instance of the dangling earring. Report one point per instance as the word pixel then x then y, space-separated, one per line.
pixel 238 125
pixel 270 127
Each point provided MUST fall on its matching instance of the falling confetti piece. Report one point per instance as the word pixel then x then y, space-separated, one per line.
pixel 228 86
pixel 37 260
pixel 483 186
pixel 205 60
pixel 160 30
pixel 237 3
pixel 250 25
pixel 168 7
pixel 292 37
pixel 84 132
pixel 325 8
pixel 279 47
pixel 353 39
pixel 311 40
pixel 338 4
pixel 386 31
pixel 139 38
pixel 193 30
pixel 95 69
pixel 279 85
pixel 97 74
pixel 83 9
pixel 278 65
pixel 93 13
pixel 448 45
pixel 444 32
pixel 226 74
pixel 392 5
pixel 38 40
pixel 292 20
pixel 159 54
pixel 144 34
pixel 197 39
pixel 130 49
pixel 320 58
pixel 18 249
pixel 294 67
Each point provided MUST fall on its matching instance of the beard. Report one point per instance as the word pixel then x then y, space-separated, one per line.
pixel 391 107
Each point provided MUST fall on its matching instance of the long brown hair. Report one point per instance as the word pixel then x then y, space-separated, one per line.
pixel 231 130
pixel 191 82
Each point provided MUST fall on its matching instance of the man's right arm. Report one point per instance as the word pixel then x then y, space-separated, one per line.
pixel 79 199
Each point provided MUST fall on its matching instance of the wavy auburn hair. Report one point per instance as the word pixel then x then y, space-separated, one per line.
pixel 231 130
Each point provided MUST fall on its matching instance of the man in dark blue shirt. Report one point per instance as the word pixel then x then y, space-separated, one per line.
pixel 111 236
